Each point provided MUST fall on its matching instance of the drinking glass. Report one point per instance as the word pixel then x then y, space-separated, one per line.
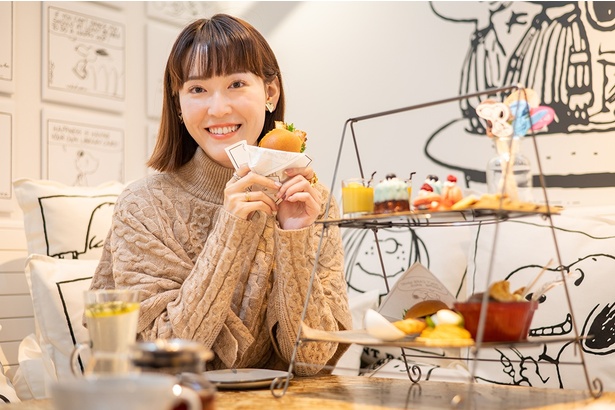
pixel 357 197
pixel 111 317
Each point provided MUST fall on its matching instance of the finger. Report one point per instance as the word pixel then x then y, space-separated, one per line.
pixel 303 192
pixel 311 202
pixel 243 206
pixel 293 185
pixel 238 174
pixel 252 178
pixel 248 209
pixel 307 172
pixel 259 197
pixel 243 170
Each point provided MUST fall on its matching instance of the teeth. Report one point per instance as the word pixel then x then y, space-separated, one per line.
pixel 556 330
pixel 223 130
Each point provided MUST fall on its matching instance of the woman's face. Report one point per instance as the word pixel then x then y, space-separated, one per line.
pixel 219 111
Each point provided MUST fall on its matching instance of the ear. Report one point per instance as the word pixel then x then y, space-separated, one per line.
pixel 272 90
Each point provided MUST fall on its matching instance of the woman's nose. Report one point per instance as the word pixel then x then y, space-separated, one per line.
pixel 219 105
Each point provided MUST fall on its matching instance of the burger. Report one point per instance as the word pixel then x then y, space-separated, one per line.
pixel 424 309
pixel 284 137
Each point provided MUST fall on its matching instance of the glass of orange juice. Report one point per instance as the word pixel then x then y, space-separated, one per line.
pixel 357 197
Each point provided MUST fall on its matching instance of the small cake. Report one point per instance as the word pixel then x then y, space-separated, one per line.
pixel 434 182
pixel 391 195
pixel 427 199
pixel 451 193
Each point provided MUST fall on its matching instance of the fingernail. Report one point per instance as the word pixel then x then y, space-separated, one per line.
pixel 278 184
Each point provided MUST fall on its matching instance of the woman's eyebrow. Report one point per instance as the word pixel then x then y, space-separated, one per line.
pixel 196 77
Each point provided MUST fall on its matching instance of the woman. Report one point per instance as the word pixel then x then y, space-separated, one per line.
pixel 215 262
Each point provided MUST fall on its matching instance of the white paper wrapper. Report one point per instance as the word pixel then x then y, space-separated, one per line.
pixel 268 162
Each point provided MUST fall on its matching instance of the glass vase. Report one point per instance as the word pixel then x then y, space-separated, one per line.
pixel 509 172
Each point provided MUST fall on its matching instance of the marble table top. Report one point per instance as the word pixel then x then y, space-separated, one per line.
pixel 364 393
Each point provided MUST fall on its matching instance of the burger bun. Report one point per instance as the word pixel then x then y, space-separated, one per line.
pixel 281 140
pixel 424 309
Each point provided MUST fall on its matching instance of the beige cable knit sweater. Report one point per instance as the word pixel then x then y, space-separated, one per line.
pixel 236 286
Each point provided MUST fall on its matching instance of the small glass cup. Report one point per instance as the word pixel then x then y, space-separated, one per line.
pixel 357 197
pixel 111 317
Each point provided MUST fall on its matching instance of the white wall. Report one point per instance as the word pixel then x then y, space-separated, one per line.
pixel 339 60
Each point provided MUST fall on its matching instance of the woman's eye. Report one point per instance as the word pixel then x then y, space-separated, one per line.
pixel 197 90
pixel 237 84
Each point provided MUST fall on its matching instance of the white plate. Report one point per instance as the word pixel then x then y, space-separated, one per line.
pixel 244 378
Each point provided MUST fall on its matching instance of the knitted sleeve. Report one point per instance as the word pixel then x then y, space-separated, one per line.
pixel 328 304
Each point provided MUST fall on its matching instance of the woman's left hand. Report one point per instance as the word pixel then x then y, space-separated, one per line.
pixel 301 202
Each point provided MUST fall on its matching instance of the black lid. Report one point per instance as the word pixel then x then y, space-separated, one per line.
pixel 170 354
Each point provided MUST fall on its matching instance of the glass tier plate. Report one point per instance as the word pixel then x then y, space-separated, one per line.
pixel 435 218
pixel 361 337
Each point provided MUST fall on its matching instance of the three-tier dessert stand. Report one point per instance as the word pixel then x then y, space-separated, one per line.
pixel 424 219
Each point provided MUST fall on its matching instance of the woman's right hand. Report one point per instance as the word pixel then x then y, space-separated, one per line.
pixel 241 201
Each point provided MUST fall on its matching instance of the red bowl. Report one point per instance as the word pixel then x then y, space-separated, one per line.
pixel 505 322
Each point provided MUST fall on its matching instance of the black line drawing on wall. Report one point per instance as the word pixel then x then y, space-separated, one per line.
pixel 6 159
pixel 562 50
pixel 6 47
pixel 86 164
pixel 549 364
pixel 95 65
pixel 180 12
pixel 85 153
pixel 400 249
pixel 84 55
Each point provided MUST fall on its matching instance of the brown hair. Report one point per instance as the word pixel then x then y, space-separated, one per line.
pixel 220 45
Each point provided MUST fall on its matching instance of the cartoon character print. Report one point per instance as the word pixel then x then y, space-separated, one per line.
pixel 86 164
pixel 86 234
pixel 558 49
pixel 558 364
pixel 364 271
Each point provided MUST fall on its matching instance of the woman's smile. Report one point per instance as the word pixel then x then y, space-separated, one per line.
pixel 222 131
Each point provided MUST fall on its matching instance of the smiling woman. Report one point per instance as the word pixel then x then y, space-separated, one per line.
pixel 218 260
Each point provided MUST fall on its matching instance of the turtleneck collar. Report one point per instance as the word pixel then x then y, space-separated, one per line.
pixel 204 178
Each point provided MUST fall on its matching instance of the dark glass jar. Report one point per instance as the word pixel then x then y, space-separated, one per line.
pixel 184 359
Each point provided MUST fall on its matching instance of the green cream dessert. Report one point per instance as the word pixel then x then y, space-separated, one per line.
pixel 391 195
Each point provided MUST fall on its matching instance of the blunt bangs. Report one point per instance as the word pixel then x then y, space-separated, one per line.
pixel 223 47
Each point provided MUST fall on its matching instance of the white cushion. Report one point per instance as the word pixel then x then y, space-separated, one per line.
pixel 30 379
pixel 65 221
pixel 57 288
pixel 7 391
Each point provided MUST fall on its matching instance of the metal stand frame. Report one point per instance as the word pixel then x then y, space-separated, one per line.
pixel 279 386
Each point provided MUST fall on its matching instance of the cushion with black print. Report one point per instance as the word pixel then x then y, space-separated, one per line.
pixel 66 222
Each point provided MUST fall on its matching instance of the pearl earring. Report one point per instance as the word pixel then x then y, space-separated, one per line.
pixel 269 106
pixel 181 119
